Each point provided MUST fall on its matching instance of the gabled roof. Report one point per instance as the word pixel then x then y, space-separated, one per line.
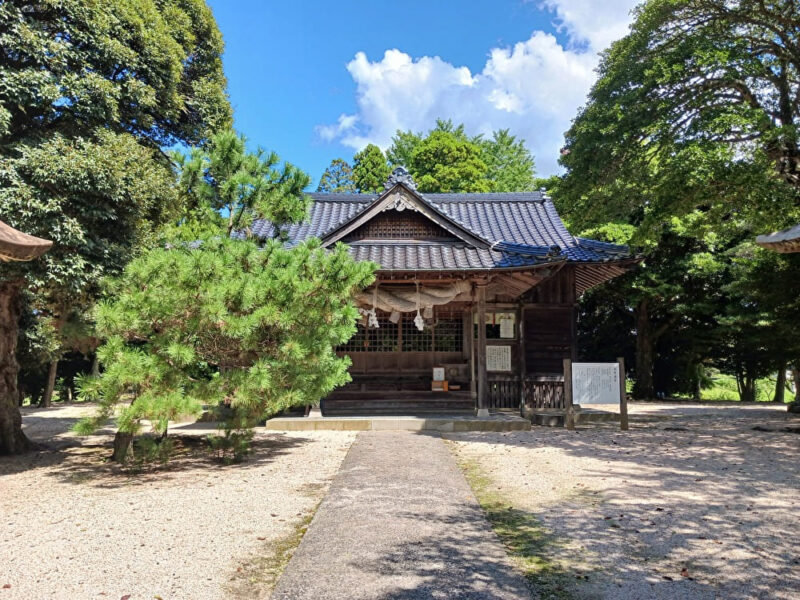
pixel 491 231
pixel 400 197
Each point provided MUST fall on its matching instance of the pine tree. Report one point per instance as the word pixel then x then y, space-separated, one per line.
pixel 337 178
pixel 370 170
pixel 242 185
pixel 211 319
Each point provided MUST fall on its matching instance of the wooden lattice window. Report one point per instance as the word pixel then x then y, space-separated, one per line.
pixel 415 340
pixel 448 333
pixel 394 225
pixel 444 333
pixel 370 339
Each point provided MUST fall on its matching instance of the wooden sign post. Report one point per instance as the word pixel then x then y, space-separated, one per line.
pixel 569 416
pixel 623 396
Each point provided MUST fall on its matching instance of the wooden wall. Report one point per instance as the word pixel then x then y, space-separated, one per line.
pixel 549 323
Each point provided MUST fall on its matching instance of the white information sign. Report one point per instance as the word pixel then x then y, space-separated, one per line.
pixel 498 358
pixel 506 326
pixel 438 373
pixel 595 383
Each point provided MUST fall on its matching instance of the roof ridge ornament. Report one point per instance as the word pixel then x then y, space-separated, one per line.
pixel 400 175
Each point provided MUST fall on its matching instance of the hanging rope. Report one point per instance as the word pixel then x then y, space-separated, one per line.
pixel 418 320
pixel 372 316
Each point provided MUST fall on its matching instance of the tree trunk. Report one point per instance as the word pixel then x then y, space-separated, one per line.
pixel 645 353
pixel 796 380
pixel 12 440
pixel 95 366
pixel 747 391
pixel 47 399
pixel 122 443
pixel 780 385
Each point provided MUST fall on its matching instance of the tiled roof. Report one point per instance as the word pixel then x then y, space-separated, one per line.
pixel 523 229
pixel 426 256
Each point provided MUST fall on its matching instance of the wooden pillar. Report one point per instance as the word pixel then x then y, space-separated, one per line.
pixel 523 369
pixel 469 344
pixel 480 354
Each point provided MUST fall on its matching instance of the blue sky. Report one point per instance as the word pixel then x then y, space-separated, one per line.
pixel 317 80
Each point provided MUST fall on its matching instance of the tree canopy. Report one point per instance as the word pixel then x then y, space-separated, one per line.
pixel 510 166
pixel 677 147
pixel 224 177
pixel 693 79
pixel 91 93
pixel 337 178
pixel 370 170
pixel 447 159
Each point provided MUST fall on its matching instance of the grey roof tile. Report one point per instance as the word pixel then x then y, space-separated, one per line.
pixel 399 256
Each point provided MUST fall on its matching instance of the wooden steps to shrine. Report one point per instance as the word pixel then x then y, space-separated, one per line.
pixel 397 403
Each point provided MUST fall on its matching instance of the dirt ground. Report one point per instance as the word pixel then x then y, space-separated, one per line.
pixel 73 526
pixel 691 503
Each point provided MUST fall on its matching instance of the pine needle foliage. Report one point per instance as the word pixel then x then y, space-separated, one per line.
pixel 214 320
pixel 243 186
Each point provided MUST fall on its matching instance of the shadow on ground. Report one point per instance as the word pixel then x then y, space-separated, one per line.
pixel 88 463
pixel 701 507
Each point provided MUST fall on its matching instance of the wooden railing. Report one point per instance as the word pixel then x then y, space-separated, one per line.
pixel 503 393
pixel 543 393
pixel 533 392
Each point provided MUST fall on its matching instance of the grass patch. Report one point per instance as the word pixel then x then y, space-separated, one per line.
pixel 257 577
pixel 527 541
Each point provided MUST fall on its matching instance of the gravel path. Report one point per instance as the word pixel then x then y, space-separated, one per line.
pixel 697 506
pixel 399 522
pixel 74 527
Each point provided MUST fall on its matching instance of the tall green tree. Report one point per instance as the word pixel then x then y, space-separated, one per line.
pixel 510 166
pixel 709 75
pixel 338 178
pixel 370 170
pixel 403 144
pixel 91 92
pixel 443 162
pixel 677 140
pixel 242 185
pixel 454 161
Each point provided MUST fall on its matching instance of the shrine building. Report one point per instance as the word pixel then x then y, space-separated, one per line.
pixel 474 303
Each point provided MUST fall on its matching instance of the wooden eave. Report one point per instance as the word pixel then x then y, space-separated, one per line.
pixel 786 241
pixel 591 274
pixel 18 246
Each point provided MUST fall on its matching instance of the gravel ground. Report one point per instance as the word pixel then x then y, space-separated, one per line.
pixel 73 526
pixel 694 504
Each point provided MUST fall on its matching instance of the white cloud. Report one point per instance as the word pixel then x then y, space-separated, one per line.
pixel 533 88
pixel 597 23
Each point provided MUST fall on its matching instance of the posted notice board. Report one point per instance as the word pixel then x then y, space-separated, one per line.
pixel 595 383
pixel 498 358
